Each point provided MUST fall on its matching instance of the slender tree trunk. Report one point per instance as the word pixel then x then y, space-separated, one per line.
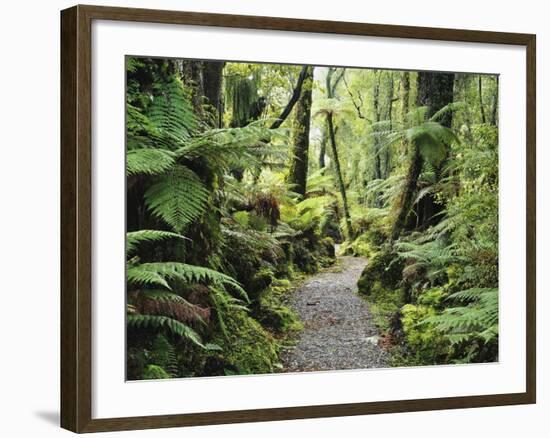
pixel 376 106
pixel 331 84
pixel 480 92
pixel 387 151
pixel 405 97
pixel 341 185
pixel 494 111
pixel 293 99
pixel 405 93
pixel 297 176
pixel 323 150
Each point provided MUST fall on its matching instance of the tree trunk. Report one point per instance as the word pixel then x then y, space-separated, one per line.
pixel 191 73
pixel 376 107
pixel 387 151
pixel 407 195
pixel 405 93
pixel 323 150
pixel 293 99
pixel 341 185
pixel 297 176
pixel 494 111
pixel 212 88
pixel 480 92
pixel 435 90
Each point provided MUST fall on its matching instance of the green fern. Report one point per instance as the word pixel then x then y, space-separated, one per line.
pixel 478 318
pixel 172 114
pixel 178 198
pixel 161 302
pixel 158 322
pixel 134 238
pixel 149 161
pixel 160 273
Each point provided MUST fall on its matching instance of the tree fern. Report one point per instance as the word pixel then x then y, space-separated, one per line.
pixel 161 302
pixel 149 161
pixel 172 113
pixel 158 322
pixel 477 318
pixel 178 198
pixel 134 238
pixel 160 273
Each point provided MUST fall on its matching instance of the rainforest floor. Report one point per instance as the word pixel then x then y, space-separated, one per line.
pixel 339 332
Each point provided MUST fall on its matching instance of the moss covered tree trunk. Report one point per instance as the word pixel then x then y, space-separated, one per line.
pixel 405 96
pixel 297 175
pixel 212 85
pixel 339 176
pixel 435 90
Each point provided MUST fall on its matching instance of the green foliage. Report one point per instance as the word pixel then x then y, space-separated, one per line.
pixel 425 343
pixel 382 271
pixel 154 372
pixel 476 318
pixel 178 198
pixel 149 161
pixel 173 326
pixel 214 302
pixel 133 239
pixel 248 347
pixel 160 273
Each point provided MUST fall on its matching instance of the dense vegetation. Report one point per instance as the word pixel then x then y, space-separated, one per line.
pixel 242 177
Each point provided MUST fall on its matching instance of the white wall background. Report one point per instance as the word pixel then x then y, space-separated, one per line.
pixel 29 230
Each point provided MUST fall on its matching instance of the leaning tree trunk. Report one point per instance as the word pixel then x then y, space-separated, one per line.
pixel 435 90
pixel 406 198
pixel 297 176
pixel 341 185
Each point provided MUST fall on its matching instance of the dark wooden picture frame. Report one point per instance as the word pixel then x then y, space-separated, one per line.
pixel 76 218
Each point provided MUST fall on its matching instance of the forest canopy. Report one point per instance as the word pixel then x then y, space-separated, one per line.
pixel 248 182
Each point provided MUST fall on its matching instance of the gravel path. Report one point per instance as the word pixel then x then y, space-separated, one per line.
pixel 338 329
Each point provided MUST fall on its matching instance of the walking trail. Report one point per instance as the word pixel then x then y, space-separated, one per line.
pixel 338 329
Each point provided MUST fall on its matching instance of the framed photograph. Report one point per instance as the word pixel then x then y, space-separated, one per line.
pixel 269 219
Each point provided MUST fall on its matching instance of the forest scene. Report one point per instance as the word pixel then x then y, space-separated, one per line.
pixel 288 218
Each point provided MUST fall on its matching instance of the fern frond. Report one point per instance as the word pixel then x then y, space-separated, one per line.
pixel 137 275
pixel 178 198
pixel 150 273
pixel 454 106
pixel 157 322
pixel 134 238
pixel 159 302
pixel 172 112
pixel 149 161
